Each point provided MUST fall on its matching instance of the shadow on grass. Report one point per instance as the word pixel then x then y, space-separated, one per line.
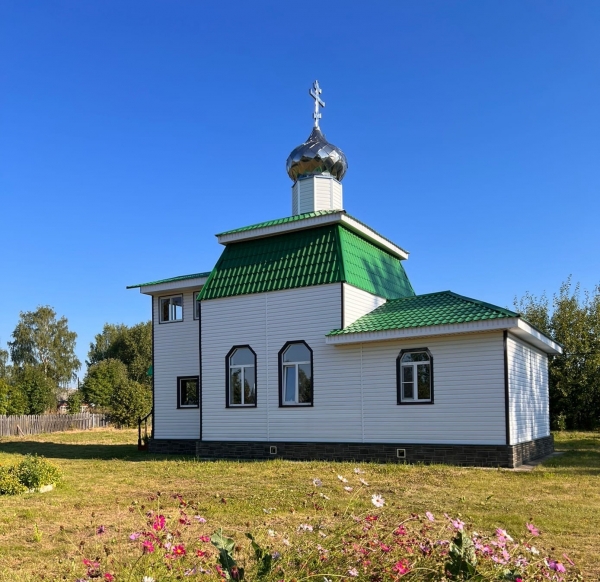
pixel 576 462
pixel 84 451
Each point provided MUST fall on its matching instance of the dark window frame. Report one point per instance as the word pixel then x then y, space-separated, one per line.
pixel 399 400
pixel 196 305
pixel 181 406
pixel 280 374
pixel 227 357
pixel 160 298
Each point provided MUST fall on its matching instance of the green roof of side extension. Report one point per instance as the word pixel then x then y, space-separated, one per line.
pixel 316 256
pixel 171 280
pixel 423 310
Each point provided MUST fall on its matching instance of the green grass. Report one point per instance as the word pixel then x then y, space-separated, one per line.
pixel 41 534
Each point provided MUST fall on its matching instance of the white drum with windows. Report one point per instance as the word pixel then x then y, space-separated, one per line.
pixel 415 381
pixel 242 377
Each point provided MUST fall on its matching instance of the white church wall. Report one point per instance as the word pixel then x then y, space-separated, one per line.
pixel 468 376
pixel 354 385
pixel 528 391
pixel 176 353
pixel 358 303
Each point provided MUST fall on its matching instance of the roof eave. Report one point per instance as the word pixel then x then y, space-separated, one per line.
pixel 340 217
pixel 514 324
pixel 181 285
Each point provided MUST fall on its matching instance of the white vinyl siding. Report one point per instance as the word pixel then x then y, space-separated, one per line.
pixel 176 354
pixel 316 193
pixel 358 303
pixel 528 392
pixel 354 386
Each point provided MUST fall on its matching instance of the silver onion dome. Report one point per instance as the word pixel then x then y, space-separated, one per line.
pixel 316 156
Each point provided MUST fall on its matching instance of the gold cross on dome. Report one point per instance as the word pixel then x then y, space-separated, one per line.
pixel 314 93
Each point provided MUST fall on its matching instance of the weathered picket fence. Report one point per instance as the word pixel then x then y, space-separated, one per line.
pixel 19 425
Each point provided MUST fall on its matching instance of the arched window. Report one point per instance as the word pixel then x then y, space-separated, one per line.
pixel 295 375
pixel 241 376
pixel 415 376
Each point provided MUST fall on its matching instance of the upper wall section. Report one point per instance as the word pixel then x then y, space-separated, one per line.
pixel 304 258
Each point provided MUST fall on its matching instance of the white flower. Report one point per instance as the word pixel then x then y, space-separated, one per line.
pixel 286 542
pixel 342 479
pixel 534 551
pixel 358 471
pixel 364 482
pixel 353 572
pixel 325 579
pixel 323 496
pixel 377 500
pixel 147 579
pixel 271 533
pixel 305 527
pixel 348 489
pixel 317 482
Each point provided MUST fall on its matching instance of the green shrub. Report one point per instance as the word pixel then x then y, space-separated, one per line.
pixel 9 482
pixel 34 472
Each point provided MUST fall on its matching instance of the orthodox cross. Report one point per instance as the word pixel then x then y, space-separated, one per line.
pixel 314 93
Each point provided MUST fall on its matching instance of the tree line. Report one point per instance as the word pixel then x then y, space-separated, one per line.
pixel 40 362
pixel 572 318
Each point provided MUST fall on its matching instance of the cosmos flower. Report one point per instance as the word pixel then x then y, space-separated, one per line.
pixel 377 500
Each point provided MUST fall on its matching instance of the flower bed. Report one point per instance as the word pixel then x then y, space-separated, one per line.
pixel 175 541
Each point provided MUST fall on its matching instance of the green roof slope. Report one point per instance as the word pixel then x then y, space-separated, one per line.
pixel 316 256
pixel 424 310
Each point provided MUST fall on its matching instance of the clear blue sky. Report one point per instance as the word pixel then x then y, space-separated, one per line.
pixel 133 131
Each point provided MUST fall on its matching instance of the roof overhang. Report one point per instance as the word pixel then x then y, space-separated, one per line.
pixel 183 285
pixel 311 222
pixel 513 324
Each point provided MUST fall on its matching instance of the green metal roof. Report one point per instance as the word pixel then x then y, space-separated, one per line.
pixel 316 256
pixel 278 221
pixel 172 280
pixel 424 310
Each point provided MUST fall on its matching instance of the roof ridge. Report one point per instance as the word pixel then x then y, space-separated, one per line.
pixel 486 304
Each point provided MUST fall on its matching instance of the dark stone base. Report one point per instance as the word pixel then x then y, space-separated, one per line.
pixel 464 455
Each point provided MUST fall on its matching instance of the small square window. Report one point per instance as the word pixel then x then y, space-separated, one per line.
pixel 171 308
pixel 187 392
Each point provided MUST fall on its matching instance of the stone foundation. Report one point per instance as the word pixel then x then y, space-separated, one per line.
pixel 464 455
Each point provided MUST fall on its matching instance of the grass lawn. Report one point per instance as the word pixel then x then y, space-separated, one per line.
pixel 43 535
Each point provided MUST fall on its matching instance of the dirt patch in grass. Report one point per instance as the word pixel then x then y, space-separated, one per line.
pixel 41 535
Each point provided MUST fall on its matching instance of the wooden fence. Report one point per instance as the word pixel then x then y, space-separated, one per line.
pixel 38 423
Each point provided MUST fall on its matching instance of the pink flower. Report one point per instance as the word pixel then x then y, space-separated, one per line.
pixel 384 548
pixel 371 518
pixel 429 516
pixel 556 566
pixel 178 551
pixel 569 559
pixel 148 547
pixel 402 567
pixel 200 519
pixel 400 531
pixel 458 524
pixel 534 531
pixel 204 538
pixel 353 572
pixel 159 523
pixel 135 535
pixel 101 529
pixel 109 577
pixel 503 536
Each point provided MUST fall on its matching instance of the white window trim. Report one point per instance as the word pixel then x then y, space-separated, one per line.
pixel 180 379
pixel 295 402
pixel 414 365
pixel 243 368
pixel 171 310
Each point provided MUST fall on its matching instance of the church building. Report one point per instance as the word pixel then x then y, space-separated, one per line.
pixel 307 341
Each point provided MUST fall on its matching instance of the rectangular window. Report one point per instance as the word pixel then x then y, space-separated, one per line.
pixel 187 392
pixel 171 308
pixel 196 305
